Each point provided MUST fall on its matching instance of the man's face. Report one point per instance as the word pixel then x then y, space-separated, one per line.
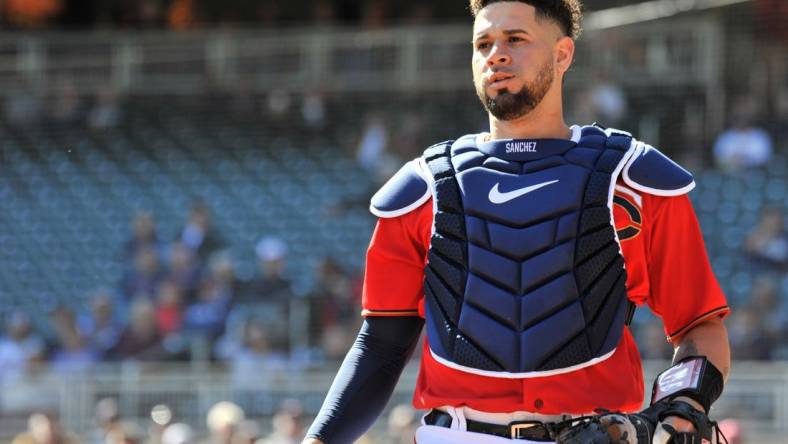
pixel 513 66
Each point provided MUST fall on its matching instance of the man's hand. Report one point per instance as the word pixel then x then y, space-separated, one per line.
pixel 676 422
pixel 680 425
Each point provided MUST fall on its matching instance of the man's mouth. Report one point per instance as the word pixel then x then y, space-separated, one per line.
pixel 498 79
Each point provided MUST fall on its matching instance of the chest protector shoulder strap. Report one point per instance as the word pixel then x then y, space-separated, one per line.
pixel 525 275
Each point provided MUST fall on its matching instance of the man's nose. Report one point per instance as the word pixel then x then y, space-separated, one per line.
pixel 498 57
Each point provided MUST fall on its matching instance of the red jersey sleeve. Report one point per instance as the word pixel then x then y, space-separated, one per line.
pixel 396 257
pixel 684 291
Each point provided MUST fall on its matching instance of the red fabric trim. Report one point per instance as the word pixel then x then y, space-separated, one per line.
pixel 389 313
pixel 719 311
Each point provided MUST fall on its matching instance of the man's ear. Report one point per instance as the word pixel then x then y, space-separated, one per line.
pixel 564 54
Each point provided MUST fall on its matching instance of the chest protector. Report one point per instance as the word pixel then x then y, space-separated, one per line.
pixel 525 275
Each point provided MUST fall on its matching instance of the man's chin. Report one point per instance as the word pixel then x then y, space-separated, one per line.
pixel 499 92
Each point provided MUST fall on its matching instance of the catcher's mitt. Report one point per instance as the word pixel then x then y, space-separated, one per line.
pixel 645 427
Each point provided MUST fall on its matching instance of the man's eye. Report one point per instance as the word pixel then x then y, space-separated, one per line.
pixel 516 39
pixel 483 45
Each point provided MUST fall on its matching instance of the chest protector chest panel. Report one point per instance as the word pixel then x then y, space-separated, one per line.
pixel 524 272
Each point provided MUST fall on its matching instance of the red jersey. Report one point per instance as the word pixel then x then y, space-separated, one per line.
pixel 667 268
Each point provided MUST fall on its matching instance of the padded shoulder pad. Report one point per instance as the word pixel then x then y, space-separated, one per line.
pixel 403 193
pixel 652 172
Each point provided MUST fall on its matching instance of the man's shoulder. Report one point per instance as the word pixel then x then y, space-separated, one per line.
pixel 651 171
pixel 644 167
pixel 408 189
pixel 411 186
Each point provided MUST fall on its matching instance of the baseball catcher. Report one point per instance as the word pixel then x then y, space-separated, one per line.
pixel 522 252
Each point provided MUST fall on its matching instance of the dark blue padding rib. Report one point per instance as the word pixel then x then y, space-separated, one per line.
pixel 404 192
pixel 652 172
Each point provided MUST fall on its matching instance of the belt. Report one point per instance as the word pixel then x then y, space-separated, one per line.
pixel 530 430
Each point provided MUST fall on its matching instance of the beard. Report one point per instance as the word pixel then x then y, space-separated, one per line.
pixel 509 106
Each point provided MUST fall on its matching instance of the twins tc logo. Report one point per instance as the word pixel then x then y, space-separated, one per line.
pixel 632 226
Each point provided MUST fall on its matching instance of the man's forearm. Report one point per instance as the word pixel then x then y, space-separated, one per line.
pixel 366 379
pixel 709 339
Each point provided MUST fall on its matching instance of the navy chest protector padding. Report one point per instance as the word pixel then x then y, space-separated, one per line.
pixel 524 273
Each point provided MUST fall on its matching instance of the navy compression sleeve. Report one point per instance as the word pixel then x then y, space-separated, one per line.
pixel 367 378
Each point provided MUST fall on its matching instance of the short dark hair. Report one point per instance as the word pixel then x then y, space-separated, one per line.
pixel 566 13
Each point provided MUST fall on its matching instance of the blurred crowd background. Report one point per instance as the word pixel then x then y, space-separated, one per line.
pixel 184 188
pixel 183 14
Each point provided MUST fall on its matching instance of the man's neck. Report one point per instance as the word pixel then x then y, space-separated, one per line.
pixel 534 125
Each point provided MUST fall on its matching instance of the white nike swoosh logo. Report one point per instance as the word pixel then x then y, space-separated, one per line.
pixel 497 197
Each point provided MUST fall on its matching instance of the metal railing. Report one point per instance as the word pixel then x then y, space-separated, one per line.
pixel 756 394
pixel 667 53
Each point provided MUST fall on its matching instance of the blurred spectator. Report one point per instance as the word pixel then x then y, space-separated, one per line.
pixel 743 145
pixel 169 309
pixel 277 109
pixel 772 311
pixel 371 151
pixel 44 429
pixel 602 101
pixel 143 236
pixel 271 285
pixel 21 350
pixel 184 270
pixel 221 269
pixel 333 302
pixel 178 433
pixel 608 101
pixel 335 341
pixel 409 140
pixel 141 339
pixel 288 424
pixel 313 111
pixel 767 243
pixel 199 235
pixel 222 420
pixel 248 432
pixel 100 327
pixel 107 417
pixel 256 362
pixel 128 433
pixel 205 317
pixel 73 353
pixel 748 337
pixel 143 280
